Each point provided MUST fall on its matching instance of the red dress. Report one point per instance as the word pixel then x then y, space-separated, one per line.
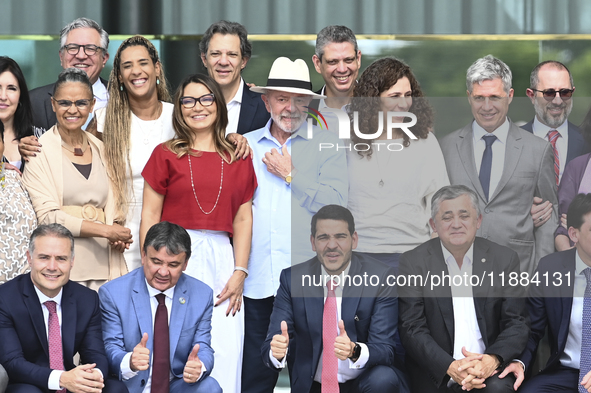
pixel 170 176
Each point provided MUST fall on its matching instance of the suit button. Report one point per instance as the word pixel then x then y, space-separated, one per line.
pixel 487 210
pixel 143 382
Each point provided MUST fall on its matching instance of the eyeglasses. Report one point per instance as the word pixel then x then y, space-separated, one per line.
pixel 205 100
pixel 550 94
pixel 73 49
pixel 66 104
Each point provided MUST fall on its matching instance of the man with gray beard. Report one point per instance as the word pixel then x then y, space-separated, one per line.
pixel 551 90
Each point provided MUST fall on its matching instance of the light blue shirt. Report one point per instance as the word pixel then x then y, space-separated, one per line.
pixel 320 178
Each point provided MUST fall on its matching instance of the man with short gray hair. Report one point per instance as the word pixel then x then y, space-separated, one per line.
pixel 506 166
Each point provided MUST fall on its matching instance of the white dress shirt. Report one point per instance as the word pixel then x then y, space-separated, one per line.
pixel 571 356
pixel 101 95
pixel 542 130
pixel 126 372
pixel 54 377
pixel 498 151
pixel 234 109
pixel 466 330
pixel 348 369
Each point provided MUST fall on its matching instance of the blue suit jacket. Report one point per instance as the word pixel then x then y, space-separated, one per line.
pixel 24 351
pixel 551 306
pixel 253 113
pixel 577 146
pixel 125 305
pixel 369 312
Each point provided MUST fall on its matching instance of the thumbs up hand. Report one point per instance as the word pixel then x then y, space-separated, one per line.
pixel 343 346
pixel 192 370
pixel 280 343
pixel 140 357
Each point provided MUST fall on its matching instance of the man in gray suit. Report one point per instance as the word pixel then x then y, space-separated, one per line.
pixel 506 166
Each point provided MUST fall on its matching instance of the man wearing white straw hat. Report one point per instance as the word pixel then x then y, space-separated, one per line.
pixel 295 179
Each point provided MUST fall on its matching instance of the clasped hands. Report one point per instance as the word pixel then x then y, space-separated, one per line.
pixel 343 346
pixel 471 371
pixel 140 361
pixel 84 378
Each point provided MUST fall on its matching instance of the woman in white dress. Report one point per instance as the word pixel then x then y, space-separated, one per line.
pixel 137 118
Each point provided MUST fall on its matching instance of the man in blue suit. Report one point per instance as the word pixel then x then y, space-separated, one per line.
pixel 131 307
pixel 45 319
pixel 356 357
pixel 558 305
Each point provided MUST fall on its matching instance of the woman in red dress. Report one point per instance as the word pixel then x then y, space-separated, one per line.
pixel 194 180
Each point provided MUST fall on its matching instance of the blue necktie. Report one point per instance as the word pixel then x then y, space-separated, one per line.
pixel 585 364
pixel 486 164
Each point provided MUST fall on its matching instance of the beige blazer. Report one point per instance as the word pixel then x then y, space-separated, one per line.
pixel 43 179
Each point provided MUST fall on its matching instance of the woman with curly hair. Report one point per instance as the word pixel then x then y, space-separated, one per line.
pixel 137 118
pixel 392 180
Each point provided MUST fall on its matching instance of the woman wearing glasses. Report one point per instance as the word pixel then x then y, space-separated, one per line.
pixel 196 181
pixel 138 117
pixel 68 184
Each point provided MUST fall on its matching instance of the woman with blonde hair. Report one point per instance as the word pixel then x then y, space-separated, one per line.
pixel 196 181
pixel 137 118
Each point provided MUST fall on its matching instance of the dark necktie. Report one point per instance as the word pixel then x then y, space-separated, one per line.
pixel 486 164
pixel 330 363
pixel 54 339
pixel 161 358
pixel 585 364
pixel 552 138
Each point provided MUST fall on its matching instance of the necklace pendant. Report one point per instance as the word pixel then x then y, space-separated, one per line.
pixel 146 141
pixel 381 183
pixel 78 152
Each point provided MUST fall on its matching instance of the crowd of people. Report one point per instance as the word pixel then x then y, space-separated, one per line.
pixel 166 238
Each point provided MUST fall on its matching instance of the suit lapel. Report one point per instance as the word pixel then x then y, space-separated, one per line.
pixel 567 265
pixel 442 293
pixel 247 111
pixel 351 296
pixel 481 263
pixel 465 147
pixel 69 313
pixel 513 150
pixel 141 304
pixel 36 313
pixel 177 315
pixel 314 306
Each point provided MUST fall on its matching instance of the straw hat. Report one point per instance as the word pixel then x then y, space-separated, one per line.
pixel 289 76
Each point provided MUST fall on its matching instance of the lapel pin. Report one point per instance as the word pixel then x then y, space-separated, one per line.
pixel 483 260
pixel 182 300
pixel 356 318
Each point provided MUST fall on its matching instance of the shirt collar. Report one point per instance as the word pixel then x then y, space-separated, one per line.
pixel 238 96
pixel 501 132
pixel 343 274
pixel 301 132
pixel 449 258
pixel 579 264
pixel 99 90
pixel 541 130
pixel 153 291
pixel 43 298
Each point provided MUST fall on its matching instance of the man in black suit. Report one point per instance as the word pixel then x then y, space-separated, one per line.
pixel 558 304
pixel 458 333
pixel 225 51
pixel 83 45
pixel 358 355
pixel 45 319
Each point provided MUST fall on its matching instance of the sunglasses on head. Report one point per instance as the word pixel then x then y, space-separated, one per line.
pixel 550 94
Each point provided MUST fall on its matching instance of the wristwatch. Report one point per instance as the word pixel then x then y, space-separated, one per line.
pixel 288 179
pixel 356 352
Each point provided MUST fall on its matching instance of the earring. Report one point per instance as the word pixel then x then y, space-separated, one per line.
pixel 121 87
pixel 157 81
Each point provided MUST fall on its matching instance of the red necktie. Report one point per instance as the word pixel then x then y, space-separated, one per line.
pixel 161 358
pixel 330 363
pixel 54 338
pixel 552 137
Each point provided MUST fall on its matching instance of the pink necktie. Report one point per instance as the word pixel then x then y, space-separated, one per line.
pixel 552 137
pixel 56 355
pixel 330 363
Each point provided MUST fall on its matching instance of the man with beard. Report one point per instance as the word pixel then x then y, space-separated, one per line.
pixel 295 179
pixel 551 94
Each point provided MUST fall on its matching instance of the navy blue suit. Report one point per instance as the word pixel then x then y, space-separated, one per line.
pixel 550 306
pixel 369 313
pixel 24 350
pixel 253 113
pixel 577 146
